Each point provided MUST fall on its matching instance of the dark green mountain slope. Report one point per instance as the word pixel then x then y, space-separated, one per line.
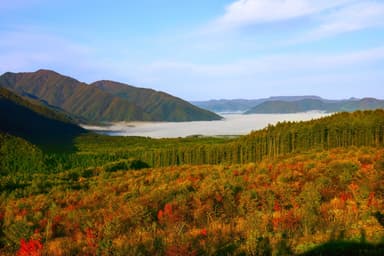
pixel 96 103
pixel 159 105
pixel 316 104
pixel 73 96
pixel 280 106
pixel 18 156
pixel 41 126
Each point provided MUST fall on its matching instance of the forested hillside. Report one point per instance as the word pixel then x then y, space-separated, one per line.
pixel 101 102
pixel 159 105
pixel 51 130
pixel 304 105
pixel 290 205
pixel 289 104
pixel 243 105
pixel 302 188
pixel 361 128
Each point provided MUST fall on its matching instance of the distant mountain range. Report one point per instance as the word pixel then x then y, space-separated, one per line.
pixel 101 101
pixel 242 105
pixel 51 130
pixel 289 104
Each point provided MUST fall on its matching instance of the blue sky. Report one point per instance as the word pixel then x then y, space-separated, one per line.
pixel 200 49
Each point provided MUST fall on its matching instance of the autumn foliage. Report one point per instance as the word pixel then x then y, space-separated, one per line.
pixel 281 205
pixel 30 248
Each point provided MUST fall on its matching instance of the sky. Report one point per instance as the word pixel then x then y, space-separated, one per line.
pixel 201 50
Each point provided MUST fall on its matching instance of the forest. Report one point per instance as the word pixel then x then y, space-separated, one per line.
pixel 294 188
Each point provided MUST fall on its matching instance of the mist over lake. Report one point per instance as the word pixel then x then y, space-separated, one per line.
pixel 232 124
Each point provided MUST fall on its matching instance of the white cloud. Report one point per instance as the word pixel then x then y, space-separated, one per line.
pixel 357 16
pixel 248 12
pixel 325 18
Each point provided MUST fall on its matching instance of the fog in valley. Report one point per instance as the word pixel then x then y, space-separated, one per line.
pixel 232 124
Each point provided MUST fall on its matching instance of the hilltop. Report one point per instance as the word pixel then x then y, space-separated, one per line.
pixel 102 101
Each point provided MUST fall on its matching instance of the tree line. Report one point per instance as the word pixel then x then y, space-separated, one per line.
pixel 361 128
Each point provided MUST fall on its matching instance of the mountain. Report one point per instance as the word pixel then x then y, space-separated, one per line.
pixel 243 105
pixel 227 106
pixel 39 125
pixel 103 101
pixel 289 104
pixel 279 106
pixel 304 105
pixel 159 105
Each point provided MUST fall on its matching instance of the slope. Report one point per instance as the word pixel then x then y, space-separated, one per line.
pixel 161 106
pixel 73 96
pixel 242 105
pixel 48 129
pixel 304 105
pixel 97 105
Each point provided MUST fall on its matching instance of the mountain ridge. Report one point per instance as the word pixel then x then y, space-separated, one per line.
pixel 97 104
pixel 243 105
pixel 152 101
pixel 282 107
pixel 281 104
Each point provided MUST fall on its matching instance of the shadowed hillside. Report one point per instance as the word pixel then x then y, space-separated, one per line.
pixel 37 124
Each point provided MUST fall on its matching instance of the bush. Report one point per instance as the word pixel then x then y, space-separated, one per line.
pixel 131 164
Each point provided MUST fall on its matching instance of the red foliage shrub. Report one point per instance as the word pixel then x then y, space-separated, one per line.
pixel 168 209
pixel 160 215
pixel 57 219
pixel 70 208
pixel 30 248
pixel 372 201
pixel 23 212
pixel 276 206
pixel 167 215
pixel 344 196
pixel 276 222
pixel 91 239
pixel 290 221
pixel 218 197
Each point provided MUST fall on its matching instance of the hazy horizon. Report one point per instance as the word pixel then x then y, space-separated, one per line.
pixel 201 50
pixel 275 96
